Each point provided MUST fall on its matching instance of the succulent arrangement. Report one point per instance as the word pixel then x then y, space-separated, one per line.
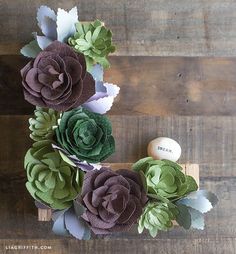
pixel 72 137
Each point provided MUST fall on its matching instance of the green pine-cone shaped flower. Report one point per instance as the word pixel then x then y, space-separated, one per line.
pixel 41 125
pixel 51 180
pixel 165 178
pixel 86 135
pixel 93 40
pixel 157 216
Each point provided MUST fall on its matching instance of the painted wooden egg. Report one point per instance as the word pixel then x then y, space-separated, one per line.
pixel 164 148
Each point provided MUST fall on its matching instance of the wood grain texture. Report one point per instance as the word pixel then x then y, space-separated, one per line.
pixel 141 27
pixel 188 169
pixel 149 85
pixel 209 141
pixel 217 245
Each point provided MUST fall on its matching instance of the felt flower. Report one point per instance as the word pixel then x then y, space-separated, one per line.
pixel 94 40
pixel 43 123
pixel 57 79
pixel 165 178
pixel 86 135
pixel 114 200
pixel 157 216
pixel 51 180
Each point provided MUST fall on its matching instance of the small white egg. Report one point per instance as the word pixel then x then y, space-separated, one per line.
pixel 164 148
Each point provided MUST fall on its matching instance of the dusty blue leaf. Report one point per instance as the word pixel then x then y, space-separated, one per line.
pixel 197 219
pixel 76 225
pixel 44 11
pixel 97 72
pixel 59 227
pixel 66 23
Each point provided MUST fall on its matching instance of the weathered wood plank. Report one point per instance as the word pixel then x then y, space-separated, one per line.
pixel 149 85
pixel 143 27
pixel 207 141
pixel 188 169
pixel 19 215
pixel 216 245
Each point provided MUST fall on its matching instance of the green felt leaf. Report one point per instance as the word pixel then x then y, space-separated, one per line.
pixel 141 164
pixel 184 216
pixel 165 178
pixel 94 40
pixel 31 50
pixel 51 180
pixel 43 123
pixel 157 216
pixel 86 135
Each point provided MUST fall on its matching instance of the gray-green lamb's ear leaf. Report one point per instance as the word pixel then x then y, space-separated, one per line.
pixel 184 216
pixel 31 50
pixel 141 164
pixel 197 219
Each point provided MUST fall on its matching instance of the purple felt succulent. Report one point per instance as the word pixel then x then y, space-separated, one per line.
pixel 114 200
pixel 57 79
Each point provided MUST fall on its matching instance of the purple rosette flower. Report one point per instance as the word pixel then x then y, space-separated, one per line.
pixel 114 200
pixel 57 79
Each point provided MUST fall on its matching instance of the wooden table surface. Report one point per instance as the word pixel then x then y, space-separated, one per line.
pixel 176 66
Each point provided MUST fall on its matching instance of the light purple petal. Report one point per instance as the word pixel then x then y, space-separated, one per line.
pixel 43 41
pixel 49 28
pixel 66 23
pixel 44 11
pixel 102 102
pixel 83 165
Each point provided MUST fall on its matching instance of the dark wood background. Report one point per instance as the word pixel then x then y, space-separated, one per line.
pixel 176 67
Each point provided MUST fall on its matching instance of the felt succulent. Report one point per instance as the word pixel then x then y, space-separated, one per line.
pixel 165 178
pixel 114 200
pixel 42 124
pixel 94 40
pixel 57 78
pixel 86 135
pixel 51 180
pixel 157 216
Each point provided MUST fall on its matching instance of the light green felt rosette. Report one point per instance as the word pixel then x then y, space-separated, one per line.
pixel 93 40
pixel 43 123
pixel 165 178
pixel 157 216
pixel 86 135
pixel 51 180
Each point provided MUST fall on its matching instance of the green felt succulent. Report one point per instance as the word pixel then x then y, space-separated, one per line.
pixel 157 216
pixel 51 180
pixel 165 179
pixel 94 40
pixel 86 135
pixel 41 125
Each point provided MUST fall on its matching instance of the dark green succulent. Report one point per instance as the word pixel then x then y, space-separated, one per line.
pixel 51 180
pixel 164 178
pixel 93 40
pixel 86 135
pixel 157 216
pixel 43 123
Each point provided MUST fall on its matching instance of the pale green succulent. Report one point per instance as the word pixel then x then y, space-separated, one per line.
pixel 165 179
pixel 93 40
pixel 51 180
pixel 157 217
pixel 43 123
